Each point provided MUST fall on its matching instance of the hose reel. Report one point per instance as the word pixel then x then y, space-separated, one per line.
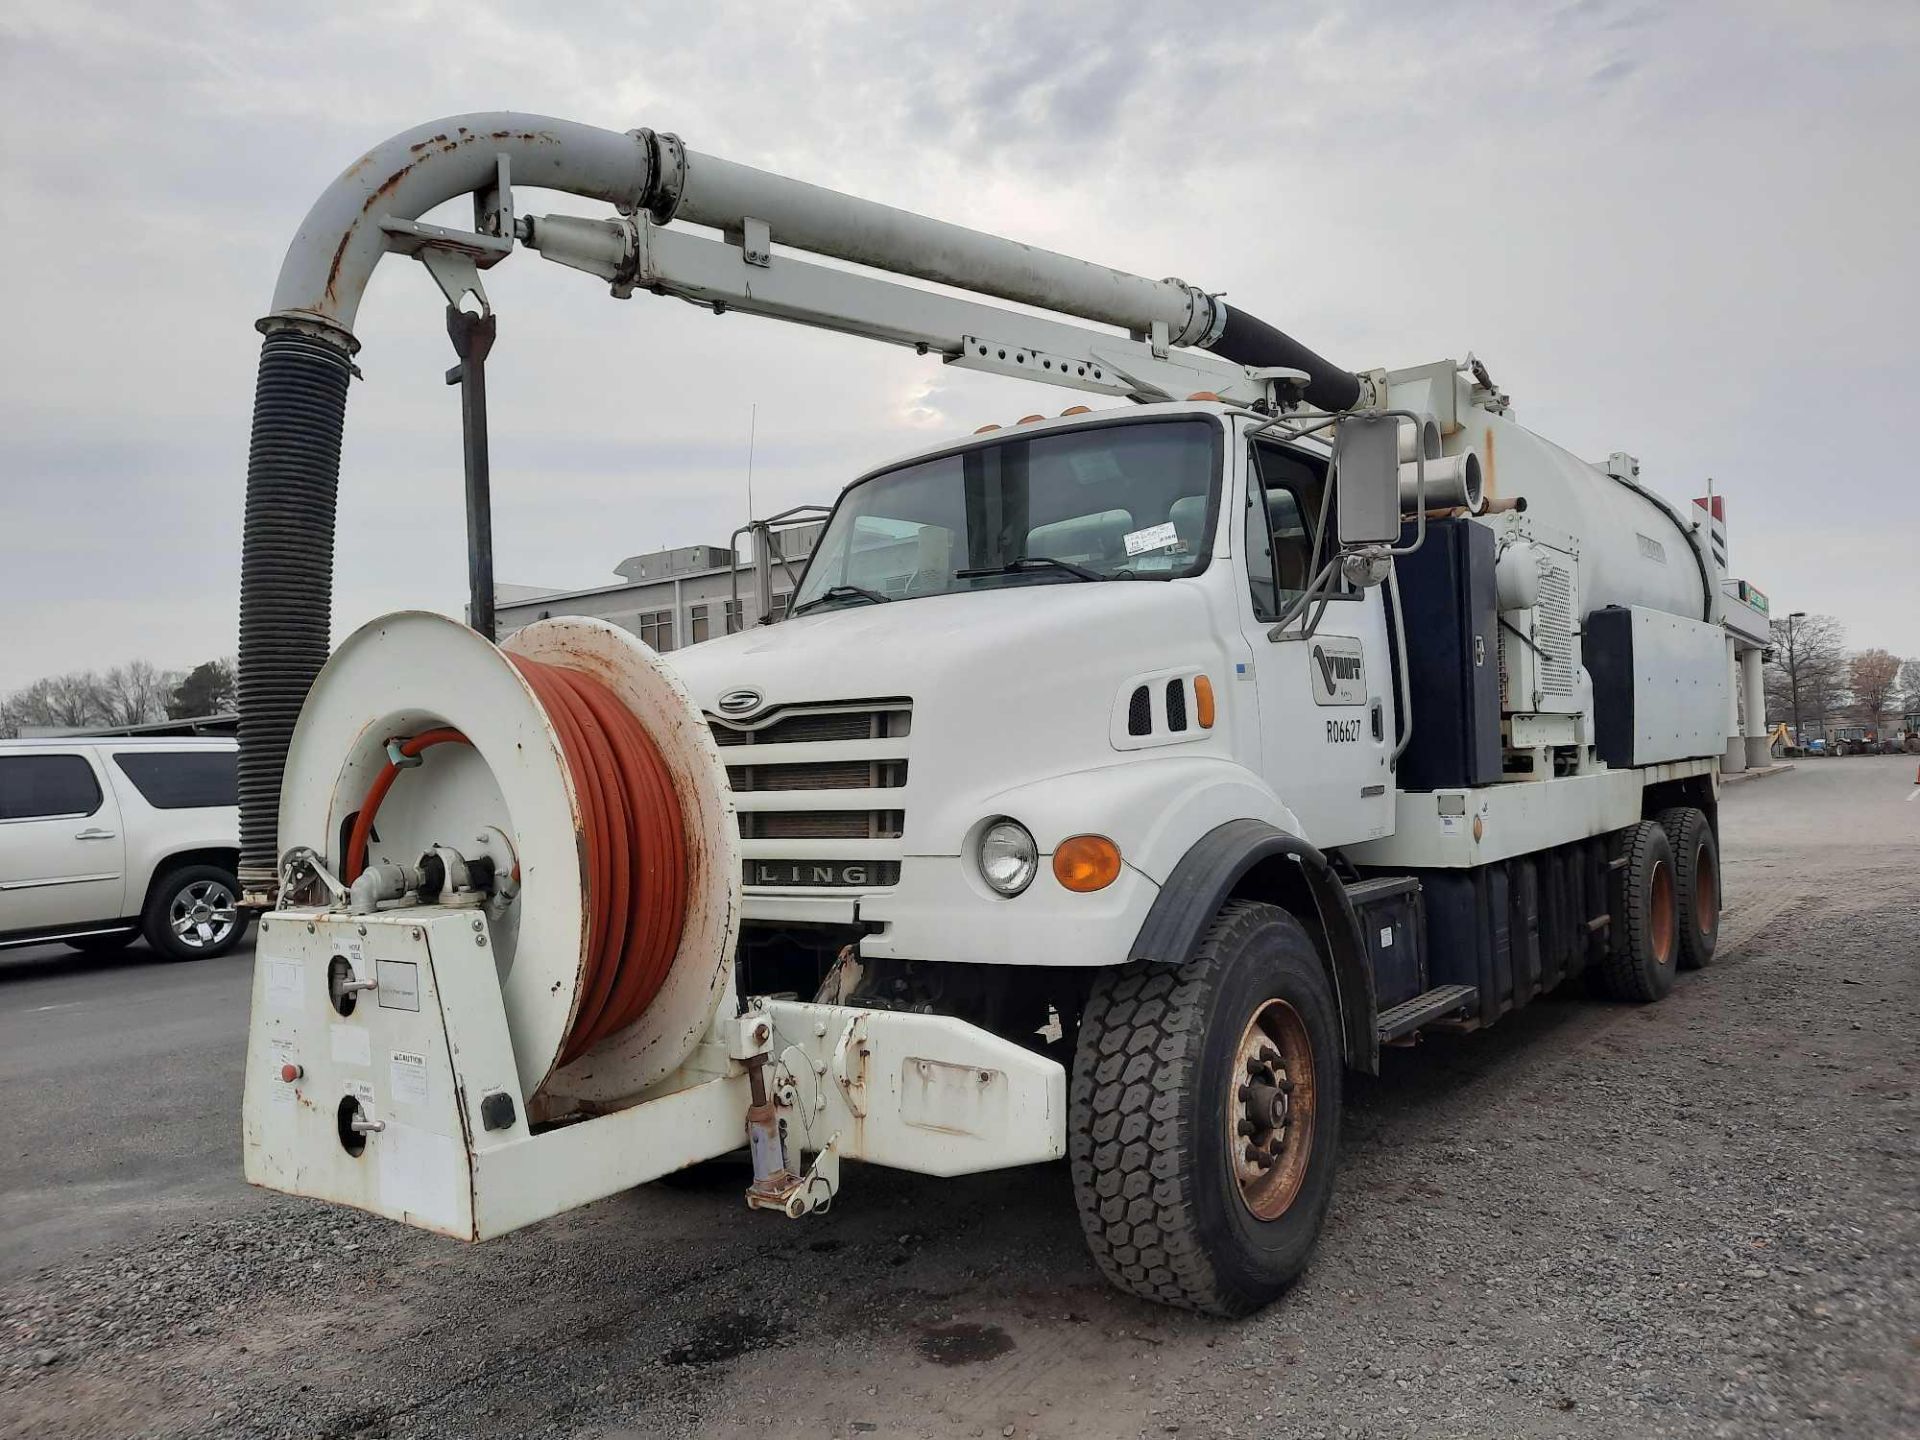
pixel 570 771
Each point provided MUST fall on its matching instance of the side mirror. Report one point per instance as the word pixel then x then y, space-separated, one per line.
pixel 1366 466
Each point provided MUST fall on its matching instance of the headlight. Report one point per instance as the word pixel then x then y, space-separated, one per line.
pixel 1008 857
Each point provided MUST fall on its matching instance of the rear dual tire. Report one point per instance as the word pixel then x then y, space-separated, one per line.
pixel 1643 939
pixel 1696 868
pixel 1204 1115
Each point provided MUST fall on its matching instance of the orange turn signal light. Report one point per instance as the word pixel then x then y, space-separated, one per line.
pixel 1086 863
pixel 987 429
pixel 1203 701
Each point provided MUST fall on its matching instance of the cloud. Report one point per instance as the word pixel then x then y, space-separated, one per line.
pixel 1667 231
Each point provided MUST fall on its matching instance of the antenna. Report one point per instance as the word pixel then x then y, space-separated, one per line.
pixel 753 426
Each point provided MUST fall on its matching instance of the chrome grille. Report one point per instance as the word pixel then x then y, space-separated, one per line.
pixel 861 724
pixel 823 775
pixel 809 816
pixel 820 824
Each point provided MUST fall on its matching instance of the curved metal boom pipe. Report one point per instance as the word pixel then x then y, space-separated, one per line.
pixel 286 572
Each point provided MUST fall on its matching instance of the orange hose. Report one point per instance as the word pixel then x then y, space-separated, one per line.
pixel 634 841
pixel 636 851
pixel 363 822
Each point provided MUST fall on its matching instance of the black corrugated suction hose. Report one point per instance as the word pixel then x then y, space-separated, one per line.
pixel 1248 341
pixel 286 568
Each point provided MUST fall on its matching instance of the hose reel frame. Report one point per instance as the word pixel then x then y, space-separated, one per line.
pixel 413 671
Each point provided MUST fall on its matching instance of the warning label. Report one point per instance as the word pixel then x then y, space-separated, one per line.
pixel 408 1073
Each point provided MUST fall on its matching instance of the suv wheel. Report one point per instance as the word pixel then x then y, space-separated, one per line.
pixel 193 913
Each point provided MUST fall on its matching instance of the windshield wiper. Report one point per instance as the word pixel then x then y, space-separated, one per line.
pixel 842 592
pixel 1028 563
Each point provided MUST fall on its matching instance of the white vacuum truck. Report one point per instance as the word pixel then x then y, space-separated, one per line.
pixel 1121 779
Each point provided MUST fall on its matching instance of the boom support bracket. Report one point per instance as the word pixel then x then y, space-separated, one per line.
pixel 633 252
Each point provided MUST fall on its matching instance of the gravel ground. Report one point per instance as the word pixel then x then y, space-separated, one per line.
pixel 1697 1218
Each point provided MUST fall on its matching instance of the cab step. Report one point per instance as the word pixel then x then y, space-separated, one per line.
pixel 1437 1004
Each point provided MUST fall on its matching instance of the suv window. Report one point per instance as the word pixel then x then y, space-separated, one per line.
pixel 181 779
pixel 35 786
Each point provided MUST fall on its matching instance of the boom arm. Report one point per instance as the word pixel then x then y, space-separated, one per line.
pixel 652 180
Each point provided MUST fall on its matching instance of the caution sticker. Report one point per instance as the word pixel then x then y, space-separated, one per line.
pixel 407 1071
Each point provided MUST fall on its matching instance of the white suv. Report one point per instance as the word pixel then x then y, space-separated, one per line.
pixel 104 839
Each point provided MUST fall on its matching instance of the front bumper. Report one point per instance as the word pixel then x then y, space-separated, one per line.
pixel 941 910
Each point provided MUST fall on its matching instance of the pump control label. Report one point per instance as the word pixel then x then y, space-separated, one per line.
pixel 399 987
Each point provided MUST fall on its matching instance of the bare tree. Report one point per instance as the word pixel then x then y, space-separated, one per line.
pixel 64 702
pixel 137 693
pixel 1810 661
pixel 1910 685
pixel 1871 674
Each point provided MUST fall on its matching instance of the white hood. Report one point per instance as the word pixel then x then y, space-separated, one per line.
pixel 1008 685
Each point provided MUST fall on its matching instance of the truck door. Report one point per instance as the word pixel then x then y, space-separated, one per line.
pixel 61 851
pixel 1326 711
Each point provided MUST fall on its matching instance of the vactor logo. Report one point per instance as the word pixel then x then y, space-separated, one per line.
pixel 1339 671
pixel 740 702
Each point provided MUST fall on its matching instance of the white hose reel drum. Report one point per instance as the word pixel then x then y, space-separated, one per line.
pixel 515 794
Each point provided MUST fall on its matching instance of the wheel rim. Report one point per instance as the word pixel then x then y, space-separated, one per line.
pixel 1664 929
pixel 203 914
pixel 1270 1109
pixel 1706 897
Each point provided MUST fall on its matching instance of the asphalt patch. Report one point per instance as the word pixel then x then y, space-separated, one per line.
pixel 963 1343
pixel 724 1336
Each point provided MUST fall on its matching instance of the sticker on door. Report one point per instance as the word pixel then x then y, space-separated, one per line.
pixel 1339 669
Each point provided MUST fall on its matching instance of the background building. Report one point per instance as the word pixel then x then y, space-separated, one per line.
pixel 675 598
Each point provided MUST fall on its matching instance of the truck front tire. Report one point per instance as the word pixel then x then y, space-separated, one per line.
pixel 1204 1115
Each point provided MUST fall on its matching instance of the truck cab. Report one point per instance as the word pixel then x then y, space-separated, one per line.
pixel 1066 627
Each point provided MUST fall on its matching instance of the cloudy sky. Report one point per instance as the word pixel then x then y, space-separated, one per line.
pixel 1687 231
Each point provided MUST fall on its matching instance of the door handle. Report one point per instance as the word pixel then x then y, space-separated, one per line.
pixel 94 834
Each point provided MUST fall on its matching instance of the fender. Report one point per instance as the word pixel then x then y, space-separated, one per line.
pixel 1250 859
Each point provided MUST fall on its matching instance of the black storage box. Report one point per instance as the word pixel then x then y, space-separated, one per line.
pixel 1388 911
pixel 1448 603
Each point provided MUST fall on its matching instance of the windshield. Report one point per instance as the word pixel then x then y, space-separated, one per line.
pixel 1129 501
